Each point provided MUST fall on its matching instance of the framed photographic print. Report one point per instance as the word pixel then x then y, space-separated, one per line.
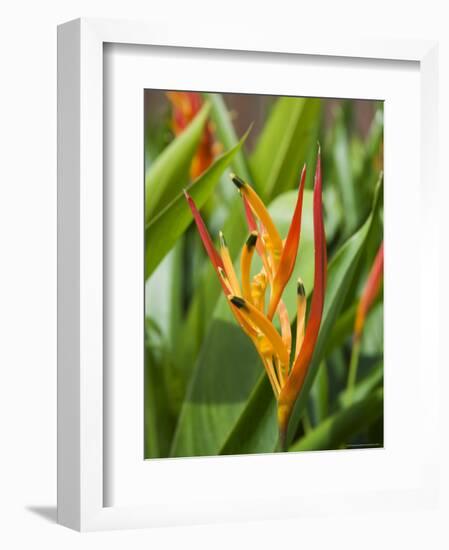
pixel 223 366
pixel 232 344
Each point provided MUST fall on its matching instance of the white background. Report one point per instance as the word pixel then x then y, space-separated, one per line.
pixel 28 270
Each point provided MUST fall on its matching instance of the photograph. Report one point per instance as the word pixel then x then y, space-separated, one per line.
pixel 263 274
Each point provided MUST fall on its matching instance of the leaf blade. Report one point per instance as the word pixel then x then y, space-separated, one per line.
pixel 215 397
pixel 163 231
pixel 282 149
pixel 226 133
pixel 337 428
pixel 169 173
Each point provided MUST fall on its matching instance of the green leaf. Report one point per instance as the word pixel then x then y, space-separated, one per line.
pixel 343 328
pixel 164 230
pixel 319 395
pixel 364 387
pixel 160 420
pixel 355 167
pixel 170 171
pixel 284 145
pixel 344 176
pixel 162 293
pixel 372 338
pixel 204 303
pixel 338 428
pixel 226 133
pixel 224 377
pixel 243 438
pixel 373 331
pixel 163 309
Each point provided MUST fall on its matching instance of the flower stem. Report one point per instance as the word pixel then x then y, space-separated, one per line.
pixel 282 441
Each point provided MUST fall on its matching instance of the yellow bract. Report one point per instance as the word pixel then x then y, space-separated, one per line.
pixel 253 311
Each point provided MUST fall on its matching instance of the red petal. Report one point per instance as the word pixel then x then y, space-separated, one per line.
pixel 214 256
pixel 250 219
pixel 294 383
pixel 370 291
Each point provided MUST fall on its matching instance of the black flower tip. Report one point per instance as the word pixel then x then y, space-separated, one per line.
pixel 238 302
pixel 238 182
pixel 251 240
pixel 300 288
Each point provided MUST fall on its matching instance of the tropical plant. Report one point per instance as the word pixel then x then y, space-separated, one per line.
pixel 205 391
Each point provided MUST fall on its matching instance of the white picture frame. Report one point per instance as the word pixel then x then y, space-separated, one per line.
pixel 83 478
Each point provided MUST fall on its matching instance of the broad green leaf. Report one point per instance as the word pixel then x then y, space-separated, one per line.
pixel 284 145
pixel 338 428
pixel 226 133
pixel 169 173
pixel 243 438
pixel 164 230
pixel 319 395
pixel 208 290
pixel 339 276
pixel 162 289
pixel 163 308
pixel 225 374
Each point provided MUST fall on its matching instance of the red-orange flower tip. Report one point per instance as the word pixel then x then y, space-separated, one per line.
pixel 370 291
pixel 289 252
pixel 204 234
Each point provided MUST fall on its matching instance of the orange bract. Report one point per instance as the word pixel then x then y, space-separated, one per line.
pixel 370 291
pixel 286 373
pixel 186 106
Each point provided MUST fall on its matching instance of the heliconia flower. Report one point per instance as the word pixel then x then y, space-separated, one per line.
pixel 186 106
pixel 247 297
pixel 370 292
